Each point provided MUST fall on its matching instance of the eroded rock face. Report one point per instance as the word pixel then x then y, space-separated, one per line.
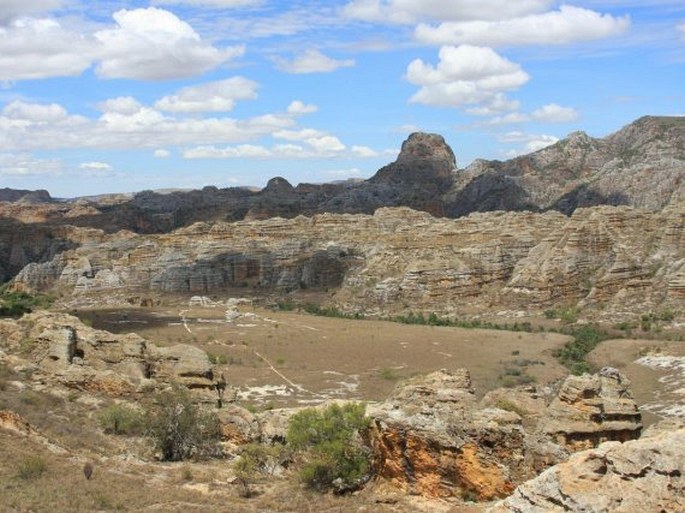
pixel 627 260
pixel 645 475
pixel 428 439
pixel 64 351
pixel 591 409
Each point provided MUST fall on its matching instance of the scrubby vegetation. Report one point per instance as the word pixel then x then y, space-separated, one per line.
pixel 330 445
pixel 16 304
pixel 181 429
pixel 573 354
pixel 120 419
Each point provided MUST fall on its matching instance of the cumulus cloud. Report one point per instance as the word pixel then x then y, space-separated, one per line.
pixel 554 113
pixel 154 44
pixel 567 25
pixel 497 104
pixel 41 48
pixel 123 105
pixel 306 144
pixel 145 44
pixel 25 165
pixel 297 108
pixel 412 11
pixel 95 169
pixel 313 61
pixel 216 96
pixel 11 9
pixel 464 75
pixel 25 127
pixel 529 142
pixel 218 4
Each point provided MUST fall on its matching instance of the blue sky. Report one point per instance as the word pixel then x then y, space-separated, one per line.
pixel 127 95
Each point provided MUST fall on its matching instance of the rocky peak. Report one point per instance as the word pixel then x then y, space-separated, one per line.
pixel 422 146
pixel 278 185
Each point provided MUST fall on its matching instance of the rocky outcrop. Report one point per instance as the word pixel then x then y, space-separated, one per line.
pixel 61 350
pixel 646 475
pixel 591 409
pixel 429 439
pixel 627 260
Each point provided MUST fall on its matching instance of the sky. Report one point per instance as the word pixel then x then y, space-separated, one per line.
pixel 129 95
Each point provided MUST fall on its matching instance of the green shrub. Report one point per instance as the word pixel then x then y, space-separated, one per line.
pixel 31 467
pixel 573 354
pixel 121 419
pixel 330 442
pixel 181 429
pixel 16 304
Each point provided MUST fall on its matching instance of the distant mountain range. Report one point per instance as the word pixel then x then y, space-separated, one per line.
pixel 641 165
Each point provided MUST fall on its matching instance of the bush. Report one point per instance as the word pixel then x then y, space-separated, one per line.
pixel 16 304
pixel 181 429
pixel 120 419
pixel 31 467
pixel 330 441
pixel 573 354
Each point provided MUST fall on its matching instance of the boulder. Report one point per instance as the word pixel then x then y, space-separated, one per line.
pixel 645 475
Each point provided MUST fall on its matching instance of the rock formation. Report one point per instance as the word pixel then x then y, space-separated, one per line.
pixel 62 351
pixel 431 437
pixel 645 475
pixel 627 260
pixel 593 409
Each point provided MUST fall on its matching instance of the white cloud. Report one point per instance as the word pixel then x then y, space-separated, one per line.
pixel 298 135
pixel 497 104
pixel 25 127
pixel 681 29
pixel 24 165
pixel 96 166
pixel 567 25
pixel 554 113
pixel 34 113
pixel 11 9
pixel 161 154
pixel 218 4
pixel 531 142
pixel 297 108
pixel 326 146
pixel 216 96
pixel 154 44
pixel 41 48
pixel 412 11
pixel 364 151
pixel 464 75
pixel 313 61
pixel 126 105
pixel 508 119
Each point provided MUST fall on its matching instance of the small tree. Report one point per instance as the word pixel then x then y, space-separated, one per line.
pixel 181 429
pixel 330 441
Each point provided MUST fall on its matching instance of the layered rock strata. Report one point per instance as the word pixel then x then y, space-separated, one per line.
pixel 625 259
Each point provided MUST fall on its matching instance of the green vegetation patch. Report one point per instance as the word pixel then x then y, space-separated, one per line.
pixel 329 441
pixel 573 355
pixel 16 304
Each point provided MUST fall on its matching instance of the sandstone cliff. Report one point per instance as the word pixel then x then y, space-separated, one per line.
pixel 626 260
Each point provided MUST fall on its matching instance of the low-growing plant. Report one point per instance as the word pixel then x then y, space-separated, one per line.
pixel 334 454
pixel 121 419
pixel 573 354
pixel 31 467
pixel 258 460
